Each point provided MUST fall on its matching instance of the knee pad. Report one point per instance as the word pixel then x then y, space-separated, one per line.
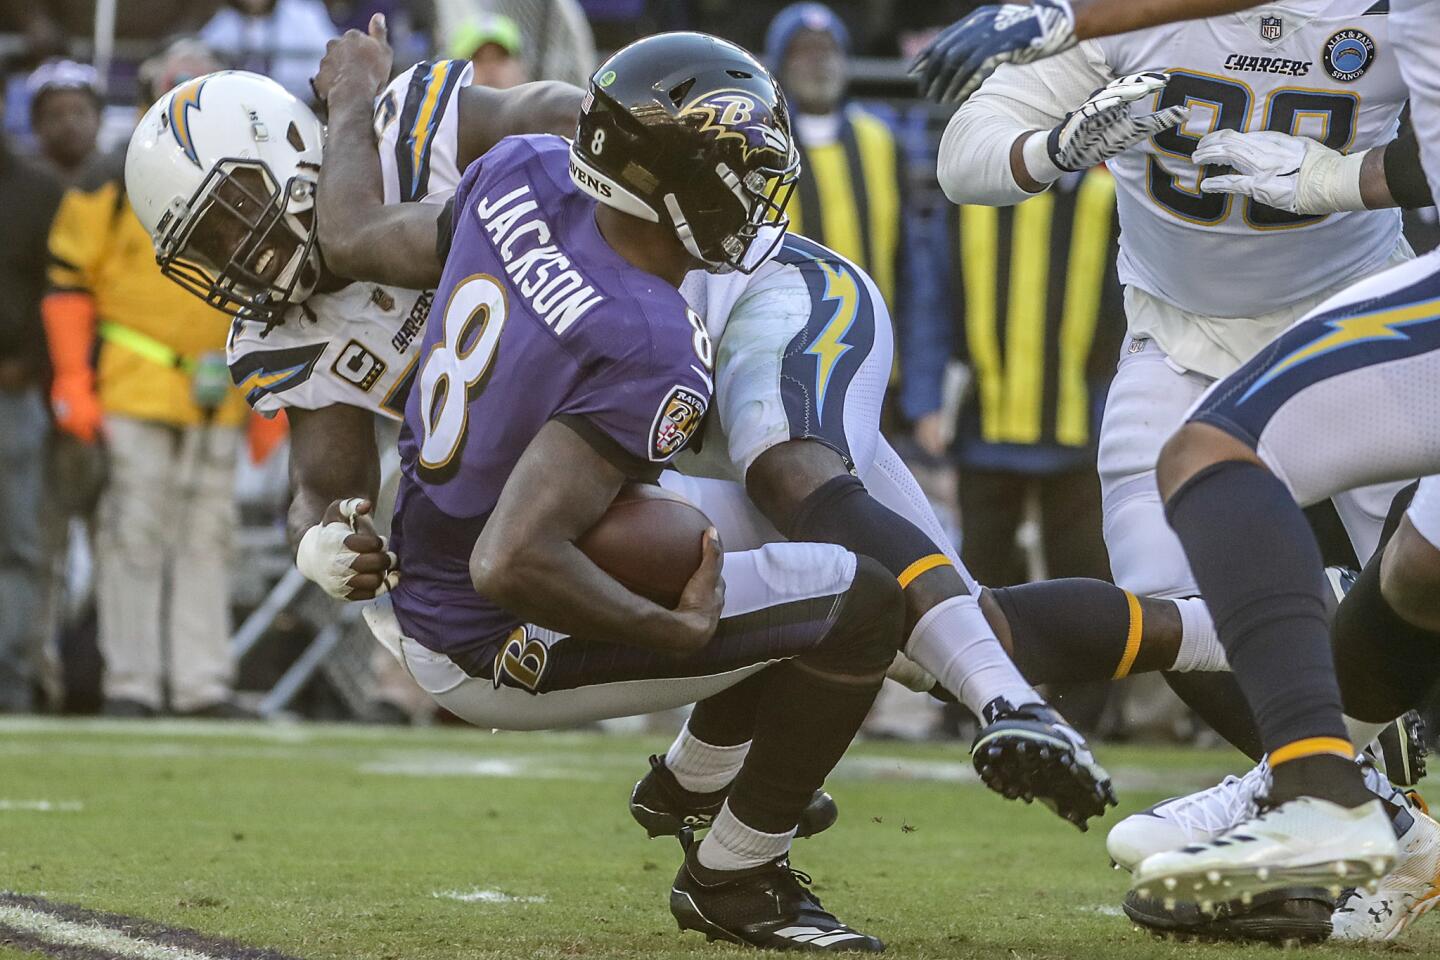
pixel 868 628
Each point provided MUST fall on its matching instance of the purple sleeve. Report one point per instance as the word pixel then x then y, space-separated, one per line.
pixel 641 408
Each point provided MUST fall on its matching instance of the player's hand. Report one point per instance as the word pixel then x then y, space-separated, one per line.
pixel 930 433
pixel 345 555
pixel 703 597
pixel 77 407
pixel 1277 169
pixel 955 63
pixel 1104 126
pixel 362 59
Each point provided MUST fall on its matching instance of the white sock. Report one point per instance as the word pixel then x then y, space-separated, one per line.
pixel 702 767
pixel 730 845
pixel 1362 734
pixel 1200 647
pixel 954 642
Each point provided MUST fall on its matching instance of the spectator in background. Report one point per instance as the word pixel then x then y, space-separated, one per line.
pixel 31 196
pixel 554 34
pixel 282 39
pixel 65 106
pixel 851 194
pixel 139 366
pixel 1038 319
pixel 491 41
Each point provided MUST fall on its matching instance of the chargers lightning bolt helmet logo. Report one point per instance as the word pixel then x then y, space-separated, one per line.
pixel 182 101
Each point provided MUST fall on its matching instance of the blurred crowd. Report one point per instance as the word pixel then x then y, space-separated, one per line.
pixel 133 478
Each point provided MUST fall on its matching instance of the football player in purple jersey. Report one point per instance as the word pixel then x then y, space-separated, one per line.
pixel 561 362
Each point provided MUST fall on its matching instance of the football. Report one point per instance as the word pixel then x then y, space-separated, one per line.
pixel 649 540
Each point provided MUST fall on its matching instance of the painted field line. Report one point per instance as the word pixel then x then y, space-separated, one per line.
pixel 71 933
pixel 41 806
pixel 483 896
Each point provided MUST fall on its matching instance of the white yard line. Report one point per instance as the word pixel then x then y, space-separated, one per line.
pixel 41 806
pixel 483 896
pixel 68 933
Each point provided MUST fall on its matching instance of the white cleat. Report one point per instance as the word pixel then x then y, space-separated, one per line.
pixel 1303 842
pixel 1407 892
pixel 1191 819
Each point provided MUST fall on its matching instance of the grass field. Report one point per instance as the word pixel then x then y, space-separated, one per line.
pixel 350 843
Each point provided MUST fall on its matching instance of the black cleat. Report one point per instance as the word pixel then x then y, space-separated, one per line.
pixel 1300 914
pixel 664 808
pixel 768 906
pixel 1031 753
pixel 1401 750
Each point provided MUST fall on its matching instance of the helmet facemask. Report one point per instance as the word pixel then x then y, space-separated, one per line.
pixel 758 202
pixel 243 243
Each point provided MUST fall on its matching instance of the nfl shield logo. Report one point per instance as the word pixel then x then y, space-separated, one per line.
pixel 1270 28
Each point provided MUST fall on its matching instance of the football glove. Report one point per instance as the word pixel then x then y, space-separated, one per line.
pixel 1282 171
pixel 963 54
pixel 1102 127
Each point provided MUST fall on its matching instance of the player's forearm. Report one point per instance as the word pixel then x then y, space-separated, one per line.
pixel 333 457
pixel 360 237
pixel 1103 18
pixel 1374 189
pixel 350 187
pixel 554 585
pixel 526 559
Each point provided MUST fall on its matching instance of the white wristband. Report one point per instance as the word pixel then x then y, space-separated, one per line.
pixel 1329 182
pixel 1035 154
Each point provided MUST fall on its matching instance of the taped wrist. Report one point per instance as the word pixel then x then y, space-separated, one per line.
pixel 325 560
pixel 1039 154
pixel 1329 181
pixel 842 511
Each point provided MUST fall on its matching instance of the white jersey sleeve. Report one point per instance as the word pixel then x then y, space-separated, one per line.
pixel 974 162
pixel 353 346
pixel 417 121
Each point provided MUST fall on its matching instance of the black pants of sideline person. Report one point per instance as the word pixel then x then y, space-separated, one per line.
pixel 993 504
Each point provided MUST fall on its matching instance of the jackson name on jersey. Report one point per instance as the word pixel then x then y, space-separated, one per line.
pixel 1318 68
pixel 356 345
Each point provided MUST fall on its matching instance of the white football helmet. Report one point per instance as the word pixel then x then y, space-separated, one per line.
pixel 222 172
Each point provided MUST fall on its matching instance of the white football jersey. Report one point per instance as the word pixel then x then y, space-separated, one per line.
pixel 353 346
pixel 1325 69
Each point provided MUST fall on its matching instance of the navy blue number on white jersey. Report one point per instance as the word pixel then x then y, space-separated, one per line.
pixel 1229 103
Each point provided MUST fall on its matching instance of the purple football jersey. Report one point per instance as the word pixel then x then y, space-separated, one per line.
pixel 536 318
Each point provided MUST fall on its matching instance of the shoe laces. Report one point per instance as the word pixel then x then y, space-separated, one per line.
pixel 1216 810
pixel 798 882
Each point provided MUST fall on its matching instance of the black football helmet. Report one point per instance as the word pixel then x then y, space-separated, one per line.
pixel 690 130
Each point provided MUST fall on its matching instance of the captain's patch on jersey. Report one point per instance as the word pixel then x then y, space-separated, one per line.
pixel 1348 54
pixel 357 365
pixel 676 422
